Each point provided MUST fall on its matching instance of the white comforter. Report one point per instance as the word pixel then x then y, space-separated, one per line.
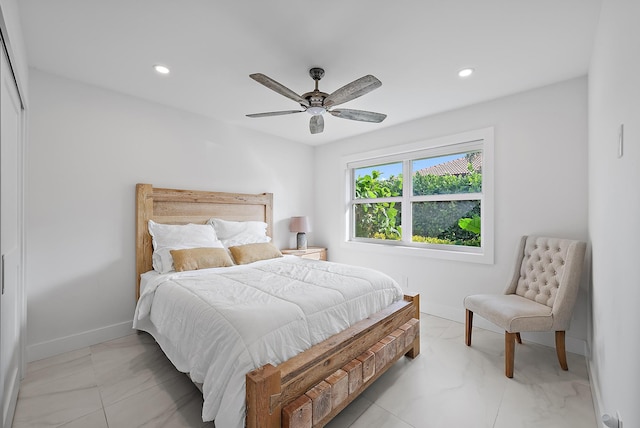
pixel 219 324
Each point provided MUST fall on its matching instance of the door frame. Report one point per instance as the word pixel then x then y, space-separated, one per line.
pixel 21 304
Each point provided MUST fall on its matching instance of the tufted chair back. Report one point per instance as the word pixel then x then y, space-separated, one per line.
pixel 549 274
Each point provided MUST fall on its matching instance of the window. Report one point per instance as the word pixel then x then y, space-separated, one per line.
pixel 434 196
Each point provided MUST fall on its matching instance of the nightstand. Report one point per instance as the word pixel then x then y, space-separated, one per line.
pixel 315 253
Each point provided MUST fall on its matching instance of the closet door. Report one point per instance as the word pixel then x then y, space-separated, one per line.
pixel 10 240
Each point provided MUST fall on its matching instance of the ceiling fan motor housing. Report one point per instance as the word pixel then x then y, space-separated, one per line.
pixel 316 98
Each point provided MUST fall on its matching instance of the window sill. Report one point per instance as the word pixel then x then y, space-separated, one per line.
pixel 485 257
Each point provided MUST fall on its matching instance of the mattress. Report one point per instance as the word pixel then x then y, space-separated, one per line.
pixel 219 324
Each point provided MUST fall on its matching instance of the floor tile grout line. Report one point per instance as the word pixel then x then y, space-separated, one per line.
pixel 104 406
pixel 362 412
pixel 373 403
pixel 95 385
pixel 495 419
pixel 104 413
pixel 95 375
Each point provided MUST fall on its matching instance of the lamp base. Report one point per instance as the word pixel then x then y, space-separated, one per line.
pixel 301 241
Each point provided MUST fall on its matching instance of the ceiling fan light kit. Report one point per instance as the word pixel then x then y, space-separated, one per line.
pixel 317 103
pixel 316 110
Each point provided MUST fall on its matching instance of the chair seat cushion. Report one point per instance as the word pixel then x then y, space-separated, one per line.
pixel 511 312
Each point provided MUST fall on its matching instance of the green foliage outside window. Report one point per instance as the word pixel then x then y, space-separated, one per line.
pixel 447 184
pixel 378 220
pixel 442 222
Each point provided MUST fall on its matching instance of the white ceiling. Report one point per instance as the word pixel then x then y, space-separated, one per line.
pixel 415 47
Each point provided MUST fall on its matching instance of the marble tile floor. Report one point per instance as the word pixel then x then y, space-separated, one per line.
pixel 128 383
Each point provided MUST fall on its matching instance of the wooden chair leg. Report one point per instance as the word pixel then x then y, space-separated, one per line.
pixel 468 325
pixel 518 338
pixel 509 352
pixel 561 351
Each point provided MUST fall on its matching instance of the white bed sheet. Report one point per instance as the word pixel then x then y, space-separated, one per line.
pixel 219 324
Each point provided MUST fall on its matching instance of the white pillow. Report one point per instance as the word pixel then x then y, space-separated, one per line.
pixel 167 237
pixel 243 239
pixel 234 233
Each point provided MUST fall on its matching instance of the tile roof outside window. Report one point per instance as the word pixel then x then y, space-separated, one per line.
pixel 453 167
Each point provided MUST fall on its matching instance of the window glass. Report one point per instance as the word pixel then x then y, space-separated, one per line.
pixel 378 221
pixel 457 173
pixel 435 195
pixel 381 217
pixel 447 222
pixel 378 181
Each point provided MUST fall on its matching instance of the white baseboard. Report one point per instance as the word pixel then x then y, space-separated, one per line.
pixel 442 311
pixel 576 346
pixel 41 350
pixel 595 391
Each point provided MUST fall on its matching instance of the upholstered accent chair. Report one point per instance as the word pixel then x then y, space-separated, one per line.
pixel 539 297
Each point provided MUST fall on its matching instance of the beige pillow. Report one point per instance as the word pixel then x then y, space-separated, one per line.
pixel 249 253
pixel 200 258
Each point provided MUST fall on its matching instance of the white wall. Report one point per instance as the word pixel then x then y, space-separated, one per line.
pixel 10 22
pixel 614 210
pixel 88 148
pixel 540 188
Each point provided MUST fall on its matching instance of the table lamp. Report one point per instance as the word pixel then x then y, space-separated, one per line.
pixel 301 226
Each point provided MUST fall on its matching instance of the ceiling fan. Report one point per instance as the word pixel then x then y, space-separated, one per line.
pixel 318 103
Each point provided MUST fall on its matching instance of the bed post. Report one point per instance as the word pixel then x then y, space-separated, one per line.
pixel 415 299
pixel 263 398
pixel 144 248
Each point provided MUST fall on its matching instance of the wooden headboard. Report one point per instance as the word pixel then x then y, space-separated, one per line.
pixel 172 206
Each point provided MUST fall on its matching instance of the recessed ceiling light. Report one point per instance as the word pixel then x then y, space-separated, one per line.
pixel 161 69
pixel 466 72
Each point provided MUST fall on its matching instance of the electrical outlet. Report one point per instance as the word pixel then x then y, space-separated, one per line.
pixel 612 421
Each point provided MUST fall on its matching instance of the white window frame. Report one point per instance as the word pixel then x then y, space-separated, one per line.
pixel 481 139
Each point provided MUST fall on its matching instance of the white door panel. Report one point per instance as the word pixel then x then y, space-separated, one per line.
pixel 10 241
pixel 10 335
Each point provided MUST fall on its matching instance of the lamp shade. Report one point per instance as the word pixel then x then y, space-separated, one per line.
pixel 300 224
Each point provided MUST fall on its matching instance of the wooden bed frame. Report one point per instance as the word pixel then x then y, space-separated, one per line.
pixel 309 389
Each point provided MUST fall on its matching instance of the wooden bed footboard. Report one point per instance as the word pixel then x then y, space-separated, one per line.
pixel 311 388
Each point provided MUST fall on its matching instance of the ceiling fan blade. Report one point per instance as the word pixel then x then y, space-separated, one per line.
pixel 279 88
pixel 316 124
pixel 361 115
pixel 274 113
pixel 352 90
